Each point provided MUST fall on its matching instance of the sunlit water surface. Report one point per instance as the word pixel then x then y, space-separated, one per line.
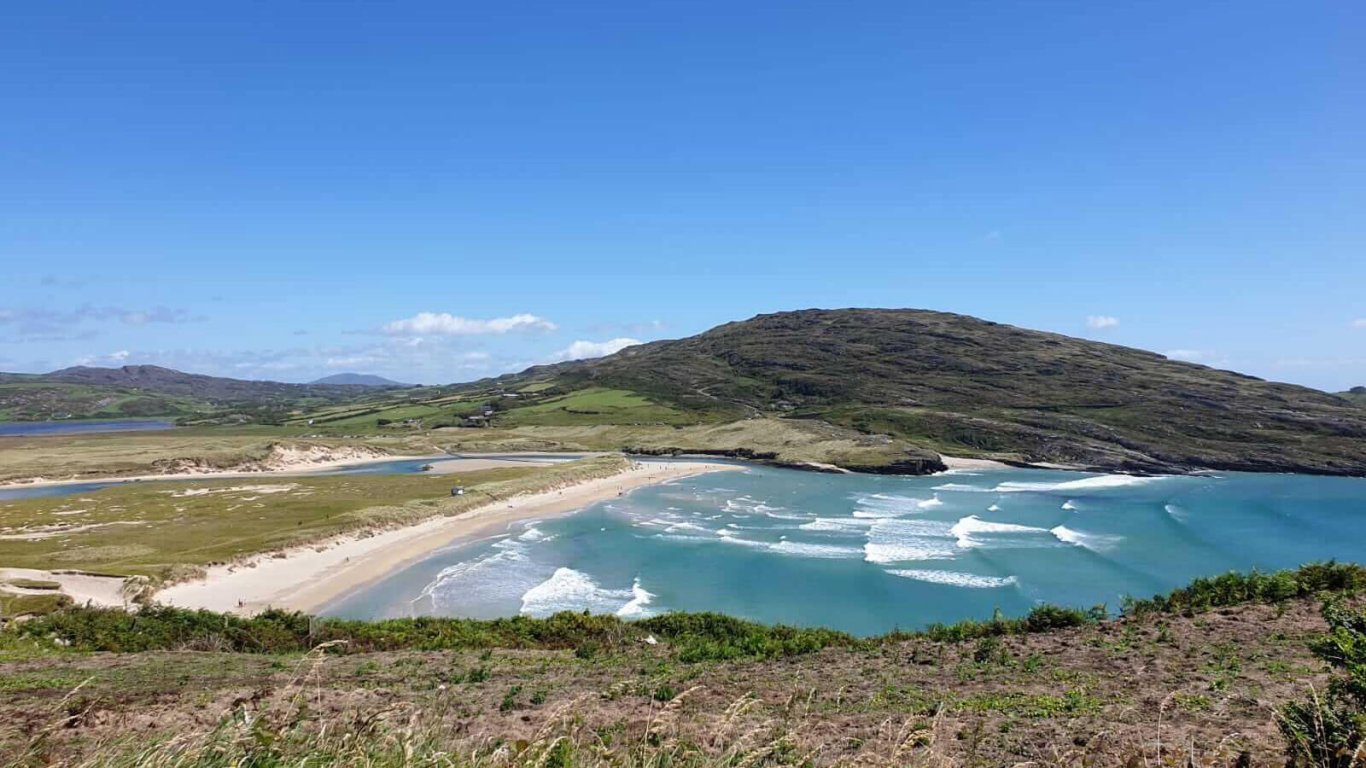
pixel 869 554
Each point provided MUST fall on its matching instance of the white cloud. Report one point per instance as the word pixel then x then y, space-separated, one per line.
pixel 446 324
pixel 352 361
pixel 1189 355
pixel 1359 323
pixel 581 350
pixel 1100 322
pixel 113 358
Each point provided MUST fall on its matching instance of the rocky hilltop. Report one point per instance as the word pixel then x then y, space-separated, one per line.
pixel 965 386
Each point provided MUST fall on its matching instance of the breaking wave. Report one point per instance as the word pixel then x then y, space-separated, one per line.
pixel 879 505
pixel 1097 483
pixel 955 579
pixel 571 590
pixel 1096 542
pixel 893 540
pixel 802 549
pixel 837 524
pixel 968 528
pixel 961 488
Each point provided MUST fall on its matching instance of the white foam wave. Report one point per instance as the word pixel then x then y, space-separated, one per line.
pixel 1096 542
pixel 802 549
pixel 686 526
pixel 571 590
pixel 837 525
pixel 1097 483
pixel 954 578
pixel 879 505
pixel 994 508
pixel 967 528
pixel 501 574
pixel 638 607
pixel 1069 505
pixel 1176 513
pixel 742 506
pixel 961 488
pixel 894 540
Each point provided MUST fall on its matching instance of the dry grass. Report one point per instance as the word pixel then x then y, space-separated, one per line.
pixel 138 453
pixel 1152 691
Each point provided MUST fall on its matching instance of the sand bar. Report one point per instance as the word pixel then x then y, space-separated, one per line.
pixel 308 578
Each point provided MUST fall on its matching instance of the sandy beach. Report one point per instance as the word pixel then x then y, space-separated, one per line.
pixel 308 578
pixel 82 588
pixel 958 462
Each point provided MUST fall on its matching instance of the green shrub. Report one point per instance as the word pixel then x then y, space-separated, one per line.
pixel 1255 587
pixel 1329 731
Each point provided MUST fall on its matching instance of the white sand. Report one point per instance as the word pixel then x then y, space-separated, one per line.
pixel 308 578
pixel 104 591
pixel 957 462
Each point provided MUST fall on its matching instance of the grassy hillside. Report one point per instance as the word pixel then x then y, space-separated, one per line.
pixel 148 390
pixel 42 401
pixel 963 386
pixel 1355 394
pixel 1219 673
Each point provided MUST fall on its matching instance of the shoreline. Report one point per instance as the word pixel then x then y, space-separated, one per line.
pixel 310 577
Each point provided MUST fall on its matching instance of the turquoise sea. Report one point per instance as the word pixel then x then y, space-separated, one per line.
pixel 868 554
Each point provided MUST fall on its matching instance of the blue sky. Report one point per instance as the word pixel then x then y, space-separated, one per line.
pixel 281 190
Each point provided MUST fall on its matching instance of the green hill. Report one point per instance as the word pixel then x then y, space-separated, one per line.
pixel 953 384
pixel 149 390
pixel 1355 394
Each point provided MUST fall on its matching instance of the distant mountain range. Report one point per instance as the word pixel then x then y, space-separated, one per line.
pixel 358 380
pixel 149 390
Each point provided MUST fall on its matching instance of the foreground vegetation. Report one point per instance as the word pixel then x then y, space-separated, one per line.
pixel 1218 673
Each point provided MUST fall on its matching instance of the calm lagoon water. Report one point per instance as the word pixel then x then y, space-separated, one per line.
pixel 44 428
pixel 869 554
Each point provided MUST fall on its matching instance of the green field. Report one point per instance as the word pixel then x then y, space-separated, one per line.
pixel 595 406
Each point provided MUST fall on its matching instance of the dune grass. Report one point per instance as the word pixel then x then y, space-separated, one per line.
pixel 162 529
pixel 114 454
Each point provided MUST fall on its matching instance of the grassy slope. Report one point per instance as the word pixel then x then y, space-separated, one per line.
pixel 134 391
pixel 1196 678
pixel 905 385
pixel 37 401
pixel 163 529
pixel 962 385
